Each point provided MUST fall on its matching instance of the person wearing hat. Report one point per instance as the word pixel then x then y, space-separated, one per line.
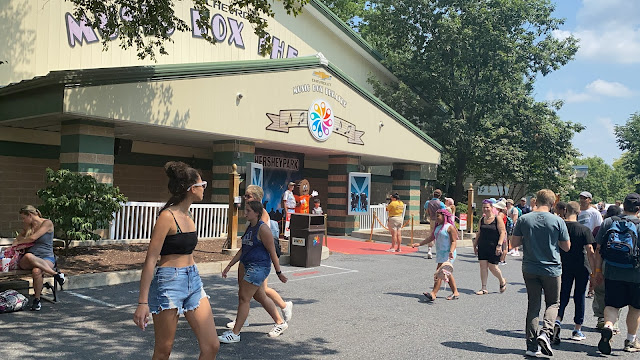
pixel 289 205
pixel 524 209
pixel 501 206
pixel 588 216
pixel 622 285
pixel 512 213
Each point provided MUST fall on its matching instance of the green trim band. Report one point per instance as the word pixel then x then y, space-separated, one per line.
pixel 89 144
pixel 345 218
pixel 29 150
pixel 226 158
pixel 161 160
pixel 381 179
pixel 86 167
pixel 88 122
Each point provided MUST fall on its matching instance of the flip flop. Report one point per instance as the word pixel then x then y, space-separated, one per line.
pixel 453 297
pixel 482 292
pixel 503 287
pixel 429 296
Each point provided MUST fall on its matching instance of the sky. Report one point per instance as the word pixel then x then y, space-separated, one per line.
pixel 601 86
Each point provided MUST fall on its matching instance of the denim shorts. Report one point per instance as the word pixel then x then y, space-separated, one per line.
pixel 255 274
pixel 175 288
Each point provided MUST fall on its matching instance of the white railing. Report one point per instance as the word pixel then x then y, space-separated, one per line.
pixel 381 214
pixel 136 219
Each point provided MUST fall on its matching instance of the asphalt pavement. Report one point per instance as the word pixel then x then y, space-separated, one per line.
pixel 350 307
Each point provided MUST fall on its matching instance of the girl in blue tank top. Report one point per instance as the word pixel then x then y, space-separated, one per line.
pixel 257 254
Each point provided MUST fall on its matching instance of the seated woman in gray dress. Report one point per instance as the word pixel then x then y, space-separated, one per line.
pixel 39 257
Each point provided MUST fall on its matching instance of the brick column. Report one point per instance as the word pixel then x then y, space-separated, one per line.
pixel 86 147
pixel 408 187
pixel 225 154
pixel 339 223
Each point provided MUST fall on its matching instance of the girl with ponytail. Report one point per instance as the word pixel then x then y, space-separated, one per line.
pixel 170 284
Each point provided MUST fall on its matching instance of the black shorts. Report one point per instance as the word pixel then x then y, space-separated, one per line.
pixel 619 294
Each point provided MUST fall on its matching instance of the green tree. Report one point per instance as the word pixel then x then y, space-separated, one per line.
pixel 628 138
pixel 349 11
pixel 467 60
pixel 78 205
pixel 605 182
pixel 148 24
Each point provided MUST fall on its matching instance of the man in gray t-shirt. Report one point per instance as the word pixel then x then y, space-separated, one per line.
pixel 542 235
pixel 621 285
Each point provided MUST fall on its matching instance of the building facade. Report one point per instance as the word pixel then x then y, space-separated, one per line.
pixel 305 111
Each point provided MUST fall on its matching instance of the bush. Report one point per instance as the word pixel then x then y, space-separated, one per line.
pixel 78 205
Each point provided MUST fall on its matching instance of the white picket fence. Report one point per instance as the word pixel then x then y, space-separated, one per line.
pixel 136 219
pixel 381 213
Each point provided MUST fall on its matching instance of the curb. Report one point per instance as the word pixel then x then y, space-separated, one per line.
pixel 381 237
pixel 84 281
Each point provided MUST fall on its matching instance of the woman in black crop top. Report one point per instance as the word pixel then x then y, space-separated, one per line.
pixel 174 287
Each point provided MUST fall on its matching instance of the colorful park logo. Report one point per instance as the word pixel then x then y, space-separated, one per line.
pixel 316 240
pixel 320 120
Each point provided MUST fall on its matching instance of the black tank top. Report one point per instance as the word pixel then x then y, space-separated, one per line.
pixel 179 243
pixel 489 232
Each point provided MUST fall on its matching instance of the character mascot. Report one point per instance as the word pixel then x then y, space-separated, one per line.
pixel 301 193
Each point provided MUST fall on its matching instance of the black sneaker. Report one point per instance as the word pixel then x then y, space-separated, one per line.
pixel 59 278
pixel 36 305
pixel 545 344
pixel 555 339
pixel 604 345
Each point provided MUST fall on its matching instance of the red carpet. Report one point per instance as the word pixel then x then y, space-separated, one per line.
pixel 364 248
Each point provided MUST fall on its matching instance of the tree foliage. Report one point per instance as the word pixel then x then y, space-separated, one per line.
pixel 349 11
pixel 628 138
pixel 148 24
pixel 78 205
pixel 473 63
pixel 605 182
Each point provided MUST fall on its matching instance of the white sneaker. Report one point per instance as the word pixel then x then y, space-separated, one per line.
pixel 232 324
pixel 429 255
pixel 277 330
pixel 536 354
pixel 287 312
pixel 228 337
pixel 516 253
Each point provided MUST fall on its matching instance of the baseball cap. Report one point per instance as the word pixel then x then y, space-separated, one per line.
pixel 500 205
pixel 523 199
pixel 510 201
pixel 291 183
pixel 632 200
pixel 586 194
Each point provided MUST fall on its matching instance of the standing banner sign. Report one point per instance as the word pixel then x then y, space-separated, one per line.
pixel 255 174
pixel 463 221
pixel 359 193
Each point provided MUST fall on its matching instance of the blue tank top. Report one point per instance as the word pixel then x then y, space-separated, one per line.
pixel 253 251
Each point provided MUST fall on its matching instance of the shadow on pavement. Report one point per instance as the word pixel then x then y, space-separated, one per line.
pixel 481 348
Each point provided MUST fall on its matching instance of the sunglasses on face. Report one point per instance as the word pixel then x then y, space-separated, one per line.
pixel 203 184
pixel 247 196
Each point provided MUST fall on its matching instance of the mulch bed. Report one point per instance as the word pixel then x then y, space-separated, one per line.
pixel 95 259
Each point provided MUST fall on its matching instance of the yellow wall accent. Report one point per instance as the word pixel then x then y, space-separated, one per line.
pixel 36 42
pixel 29 136
pixel 209 105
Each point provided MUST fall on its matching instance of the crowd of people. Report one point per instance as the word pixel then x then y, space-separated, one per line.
pixel 565 246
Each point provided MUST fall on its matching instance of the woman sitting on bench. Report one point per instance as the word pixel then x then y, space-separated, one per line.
pixel 39 258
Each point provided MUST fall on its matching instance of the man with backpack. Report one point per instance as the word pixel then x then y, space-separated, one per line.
pixel 617 242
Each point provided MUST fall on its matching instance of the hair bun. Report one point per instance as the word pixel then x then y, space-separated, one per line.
pixel 174 169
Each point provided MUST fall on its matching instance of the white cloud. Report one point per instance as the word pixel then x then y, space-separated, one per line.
pixel 609 31
pixel 593 91
pixel 607 124
pixel 612 89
